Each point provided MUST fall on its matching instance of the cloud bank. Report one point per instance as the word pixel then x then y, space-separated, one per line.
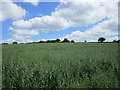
pixel 72 14
pixel 33 2
pixel 10 10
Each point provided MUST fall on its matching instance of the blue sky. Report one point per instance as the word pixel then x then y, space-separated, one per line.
pixel 91 29
pixel 32 11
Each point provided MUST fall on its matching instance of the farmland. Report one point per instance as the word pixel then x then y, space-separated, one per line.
pixel 60 65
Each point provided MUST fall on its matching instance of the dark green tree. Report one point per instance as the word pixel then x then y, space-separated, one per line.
pixel 48 41
pixel 114 41
pixel 101 39
pixel 66 40
pixel 119 40
pixel 72 41
pixel 52 41
pixel 41 42
pixel 5 43
pixel 15 43
pixel 57 40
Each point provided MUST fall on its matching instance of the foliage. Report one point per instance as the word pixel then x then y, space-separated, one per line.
pixel 5 43
pixel 60 65
pixel 15 43
pixel 41 41
pixel 85 40
pixel 116 41
pixel 65 40
pixel 72 41
pixel 57 40
pixel 101 39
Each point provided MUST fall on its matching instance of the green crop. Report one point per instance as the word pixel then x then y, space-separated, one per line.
pixel 60 65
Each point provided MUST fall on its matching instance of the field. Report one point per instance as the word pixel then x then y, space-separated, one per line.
pixel 60 65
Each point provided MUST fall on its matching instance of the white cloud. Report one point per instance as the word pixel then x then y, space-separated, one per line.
pixel 26 32
pixel 65 1
pixel 33 2
pixel 112 38
pixel 81 14
pixel 75 14
pixel 106 28
pixel 21 35
pixel 10 10
pixel 42 23
pixel 47 39
pixel 71 14
pixel 101 30
pixel 11 40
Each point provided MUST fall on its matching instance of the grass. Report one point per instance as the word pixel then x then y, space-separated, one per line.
pixel 0 66
pixel 60 65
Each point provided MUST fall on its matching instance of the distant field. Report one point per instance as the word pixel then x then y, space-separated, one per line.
pixel 60 65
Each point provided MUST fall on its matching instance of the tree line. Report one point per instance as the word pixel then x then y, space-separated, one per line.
pixel 56 41
pixel 49 41
pixel 101 40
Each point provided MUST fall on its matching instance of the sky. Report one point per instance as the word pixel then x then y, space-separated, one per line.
pixel 29 21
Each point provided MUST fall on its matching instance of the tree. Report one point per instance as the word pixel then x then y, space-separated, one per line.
pixel 5 43
pixel 65 40
pixel 85 41
pixel 41 42
pixel 15 43
pixel 101 39
pixel 48 41
pixel 119 40
pixel 114 41
pixel 57 40
pixel 72 41
pixel 34 42
pixel 53 41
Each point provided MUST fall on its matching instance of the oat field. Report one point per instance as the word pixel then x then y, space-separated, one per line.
pixel 60 65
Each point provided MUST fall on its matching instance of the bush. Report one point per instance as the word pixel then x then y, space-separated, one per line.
pixel 101 39
pixel 5 43
pixel 72 41
pixel 15 43
pixel 65 40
